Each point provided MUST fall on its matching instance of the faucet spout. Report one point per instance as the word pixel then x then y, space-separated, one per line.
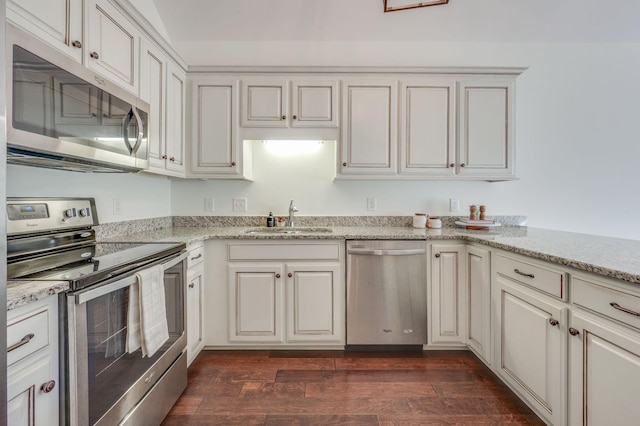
pixel 292 210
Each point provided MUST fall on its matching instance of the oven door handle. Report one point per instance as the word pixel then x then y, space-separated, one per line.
pixel 92 293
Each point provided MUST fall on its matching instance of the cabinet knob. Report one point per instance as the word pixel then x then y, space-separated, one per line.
pixel 462 165
pixel 233 164
pixel 277 275
pixel 77 44
pixel 94 55
pixel 344 164
pixel 48 387
pixel 284 117
pixel 573 331
pixel 290 275
pixel 172 159
pixel 164 157
pixel 295 117
pixel 191 285
pixel 554 322
pixel 437 255
pixel 452 165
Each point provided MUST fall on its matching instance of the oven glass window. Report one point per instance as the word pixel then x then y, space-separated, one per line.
pixel 111 370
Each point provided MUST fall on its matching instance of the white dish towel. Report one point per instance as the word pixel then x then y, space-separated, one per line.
pixel 147 326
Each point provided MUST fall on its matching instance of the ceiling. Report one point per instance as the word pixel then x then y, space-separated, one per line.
pixel 495 21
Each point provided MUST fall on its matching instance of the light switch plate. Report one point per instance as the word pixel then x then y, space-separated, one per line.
pixel 454 204
pixel 239 204
pixel 208 204
pixel 372 204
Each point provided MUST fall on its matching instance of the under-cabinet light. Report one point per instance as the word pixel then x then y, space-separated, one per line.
pixel 292 148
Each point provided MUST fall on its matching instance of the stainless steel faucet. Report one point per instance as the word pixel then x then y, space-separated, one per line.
pixel 292 210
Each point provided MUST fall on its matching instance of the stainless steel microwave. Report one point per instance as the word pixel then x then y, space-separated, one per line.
pixel 61 115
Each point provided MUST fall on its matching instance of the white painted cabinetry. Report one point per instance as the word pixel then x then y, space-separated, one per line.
pixel 195 289
pixel 478 291
pixel 447 325
pixel 57 22
pixel 286 294
pixel 267 103
pixel 112 44
pixel 176 117
pixel 604 344
pixel 368 145
pixel 32 364
pixel 530 339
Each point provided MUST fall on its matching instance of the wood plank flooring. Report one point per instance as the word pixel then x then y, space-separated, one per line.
pixel 345 388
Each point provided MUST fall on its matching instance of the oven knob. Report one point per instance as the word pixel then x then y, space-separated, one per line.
pixel 69 213
pixel 84 212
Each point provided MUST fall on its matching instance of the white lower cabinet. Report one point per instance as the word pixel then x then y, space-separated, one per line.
pixel 478 290
pixel 531 347
pixel 32 364
pixel 195 289
pixel 447 299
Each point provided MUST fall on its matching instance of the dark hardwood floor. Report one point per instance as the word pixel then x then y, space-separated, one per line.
pixel 345 388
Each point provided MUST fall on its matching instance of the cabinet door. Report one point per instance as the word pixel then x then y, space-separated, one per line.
pixel 195 276
pixel 264 103
pixel 486 135
pixel 530 348
pixel 369 140
pixel 112 45
pixel 604 375
pixel 448 307
pixel 27 401
pixel 314 104
pixel 175 119
pixel 153 72
pixel 255 303
pixel 214 128
pixel 58 22
pixel 314 303
pixel 478 290
pixel 427 127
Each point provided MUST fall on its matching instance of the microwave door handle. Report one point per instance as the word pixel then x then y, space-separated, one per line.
pixel 140 134
pixel 125 129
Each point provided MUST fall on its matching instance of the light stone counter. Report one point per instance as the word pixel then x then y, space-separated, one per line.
pixel 20 293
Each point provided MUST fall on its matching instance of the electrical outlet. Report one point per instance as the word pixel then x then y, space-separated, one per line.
pixel 116 206
pixel 454 204
pixel 372 204
pixel 239 204
pixel 208 204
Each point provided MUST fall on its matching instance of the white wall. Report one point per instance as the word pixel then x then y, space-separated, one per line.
pixel 576 130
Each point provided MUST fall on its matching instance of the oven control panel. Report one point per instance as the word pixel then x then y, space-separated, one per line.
pixel 33 215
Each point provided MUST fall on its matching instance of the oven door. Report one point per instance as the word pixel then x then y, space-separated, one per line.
pixel 103 381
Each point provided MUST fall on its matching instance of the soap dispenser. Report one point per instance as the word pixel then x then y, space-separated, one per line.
pixel 271 221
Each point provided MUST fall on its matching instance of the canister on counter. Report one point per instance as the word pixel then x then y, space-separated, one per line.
pixel 420 220
pixel 434 223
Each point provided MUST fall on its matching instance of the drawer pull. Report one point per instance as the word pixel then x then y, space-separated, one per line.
pixel 197 257
pixel 26 339
pixel 573 331
pixel 614 305
pixel 554 322
pixel 523 274
pixel 48 387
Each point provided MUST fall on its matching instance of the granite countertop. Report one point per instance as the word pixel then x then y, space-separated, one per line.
pixel 611 257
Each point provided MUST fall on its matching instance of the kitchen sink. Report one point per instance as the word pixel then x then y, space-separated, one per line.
pixel 284 230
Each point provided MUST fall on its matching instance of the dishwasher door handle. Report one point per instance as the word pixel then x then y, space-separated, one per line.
pixel 389 252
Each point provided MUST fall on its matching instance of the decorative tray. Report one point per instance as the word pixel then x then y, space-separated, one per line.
pixel 477 224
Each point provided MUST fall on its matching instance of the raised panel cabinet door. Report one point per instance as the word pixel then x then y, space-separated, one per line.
pixel 486 135
pixel 264 103
pixel 448 309
pixel 531 354
pixel 214 127
pixel 58 22
pixel 27 403
pixel 604 373
pixel 427 127
pixel 255 303
pixel 112 45
pixel 314 104
pixel 195 341
pixel 369 140
pixel 478 291
pixel 153 71
pixel 314 303
pixel 175 122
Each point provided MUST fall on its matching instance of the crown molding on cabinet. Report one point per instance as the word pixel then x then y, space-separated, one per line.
pixel 262 70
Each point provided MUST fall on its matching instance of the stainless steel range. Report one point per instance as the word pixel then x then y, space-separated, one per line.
pixel 105 379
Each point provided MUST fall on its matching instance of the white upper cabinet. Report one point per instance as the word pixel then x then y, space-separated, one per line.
pixel 427 127
pixel 266 103
pixel 368 133
pixel 57 22
pixel 112 44
pixel 486 134
pixel 153 79
pixel 175 123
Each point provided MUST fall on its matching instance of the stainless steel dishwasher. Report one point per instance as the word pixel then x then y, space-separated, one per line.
pixel 386 292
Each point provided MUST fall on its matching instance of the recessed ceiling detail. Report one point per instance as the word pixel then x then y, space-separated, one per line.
pixel 394 5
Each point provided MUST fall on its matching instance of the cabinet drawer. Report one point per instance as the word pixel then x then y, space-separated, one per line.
pixel 619 305
pixel 196 256
pixel 27 335
pixel 284 251
pixel 540 277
